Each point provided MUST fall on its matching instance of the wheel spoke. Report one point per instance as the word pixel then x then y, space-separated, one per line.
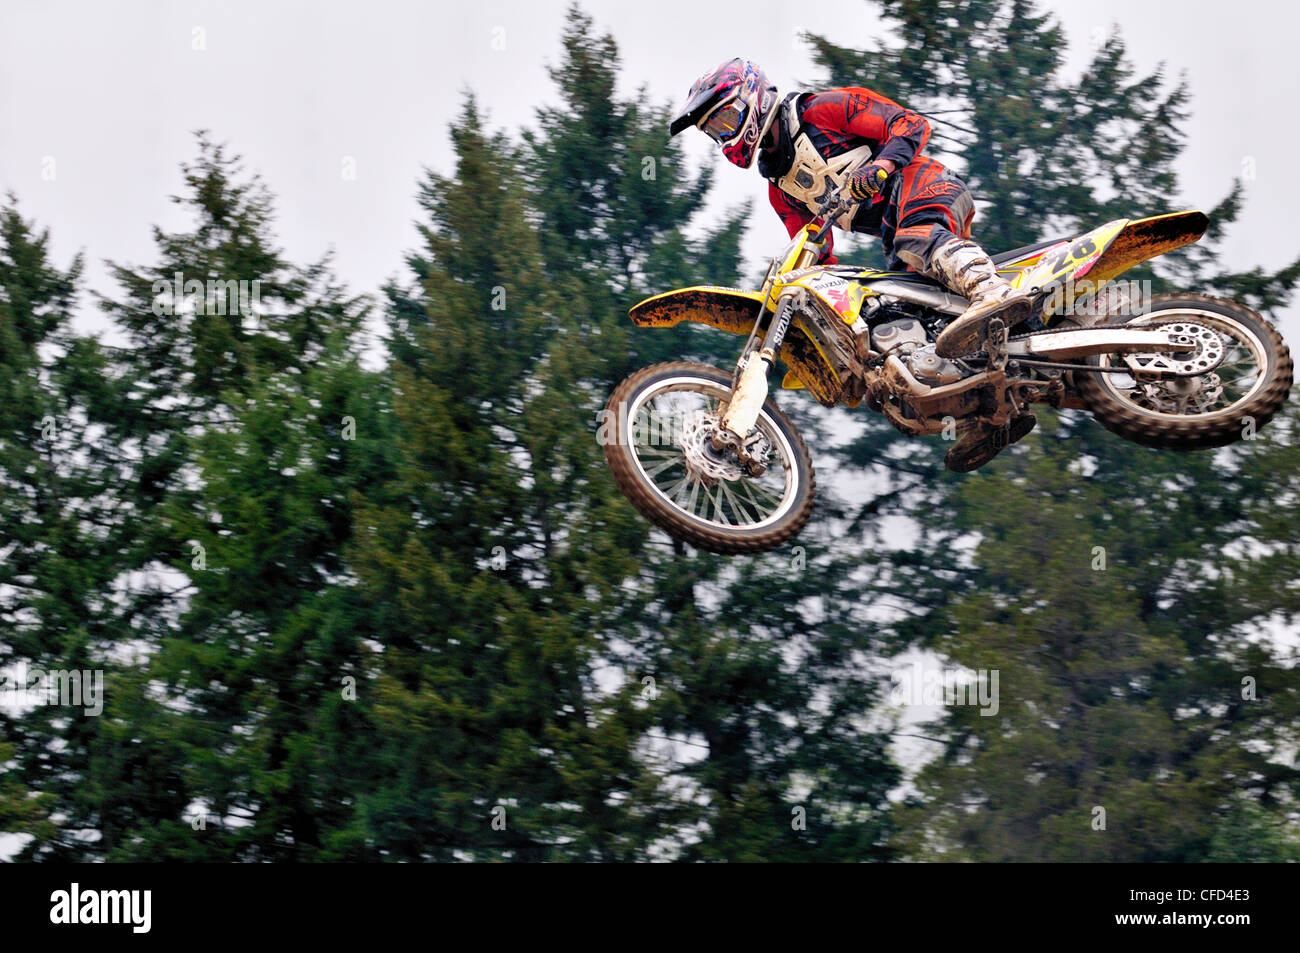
pixel 766 492
pixel 1225 386
pixel 672 491
pixel 736 508
pixel 661 467
pixel 680 496
pixel 717 506
pixel 748 487
pixel 711 489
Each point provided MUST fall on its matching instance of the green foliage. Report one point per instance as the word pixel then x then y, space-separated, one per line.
pixel 616 201
pixel 404 614
pixel 1122 688
pixel 62 537
pixel 525 605
pixel 201 543
pixel 492 558
pixel 1106 603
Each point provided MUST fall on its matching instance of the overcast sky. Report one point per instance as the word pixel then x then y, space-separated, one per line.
pixel 107 94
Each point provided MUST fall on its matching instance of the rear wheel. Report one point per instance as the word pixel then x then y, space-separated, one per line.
pixel 1235 398
pixel 660 453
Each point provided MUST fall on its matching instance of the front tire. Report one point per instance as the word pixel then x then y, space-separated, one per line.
pixel 1208 410
pixel 739 513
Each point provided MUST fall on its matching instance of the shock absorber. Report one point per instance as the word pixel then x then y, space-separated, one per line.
pixel 751 390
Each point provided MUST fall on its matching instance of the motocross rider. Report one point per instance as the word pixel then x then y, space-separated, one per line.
pixel 862 145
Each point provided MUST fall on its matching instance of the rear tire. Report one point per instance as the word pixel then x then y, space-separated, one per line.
pixel 1121 412
pixel 799 487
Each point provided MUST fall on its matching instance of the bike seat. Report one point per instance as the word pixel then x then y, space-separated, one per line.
pixel 1003 257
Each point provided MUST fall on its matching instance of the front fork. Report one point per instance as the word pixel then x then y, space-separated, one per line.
pixel 750 392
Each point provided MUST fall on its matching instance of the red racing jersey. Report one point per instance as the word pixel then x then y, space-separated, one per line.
pixel 837 121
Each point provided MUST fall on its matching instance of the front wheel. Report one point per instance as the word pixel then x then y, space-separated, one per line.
pixel 1240 394
pixel 657 440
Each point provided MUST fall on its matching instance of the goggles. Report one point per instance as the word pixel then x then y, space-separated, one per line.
pixel 725 121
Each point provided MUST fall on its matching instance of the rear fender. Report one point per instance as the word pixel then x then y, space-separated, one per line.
pixel 1145 238
pixel 1084 265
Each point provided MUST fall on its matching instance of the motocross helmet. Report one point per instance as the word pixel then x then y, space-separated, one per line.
pixel 734 105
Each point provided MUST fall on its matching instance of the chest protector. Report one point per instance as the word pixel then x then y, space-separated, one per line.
pixel 810 176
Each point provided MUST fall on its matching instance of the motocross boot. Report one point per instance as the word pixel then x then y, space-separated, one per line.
pixel 983 442
pixel 966 269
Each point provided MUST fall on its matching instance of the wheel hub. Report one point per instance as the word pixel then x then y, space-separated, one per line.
pixel 1181 395
pixel 697 447
pixel 1208 353
pixel 703 459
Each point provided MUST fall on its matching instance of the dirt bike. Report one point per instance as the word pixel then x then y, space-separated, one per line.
pixel 709 457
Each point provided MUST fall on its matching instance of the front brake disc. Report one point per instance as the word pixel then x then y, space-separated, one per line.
pixel 697 436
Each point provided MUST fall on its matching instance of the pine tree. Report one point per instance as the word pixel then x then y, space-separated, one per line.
pixel 743 734
pixel 1122 687
pixel 618 203
pixel 237 394
pixel 63 543
pixel 1045 156
pixel 1109 605
pixel 493 559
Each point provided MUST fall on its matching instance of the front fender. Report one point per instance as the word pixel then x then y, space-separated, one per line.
pixel 729 309
pixel 735 311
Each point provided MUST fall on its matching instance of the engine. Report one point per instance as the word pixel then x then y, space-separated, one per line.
pixel 893 335
pixel 929 367
pixel 907 339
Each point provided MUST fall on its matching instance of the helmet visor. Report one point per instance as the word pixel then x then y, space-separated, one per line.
pixel 725 121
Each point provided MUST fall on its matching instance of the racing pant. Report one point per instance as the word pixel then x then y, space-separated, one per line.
pixel 927 206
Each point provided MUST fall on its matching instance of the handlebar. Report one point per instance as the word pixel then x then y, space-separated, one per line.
pixel 834 206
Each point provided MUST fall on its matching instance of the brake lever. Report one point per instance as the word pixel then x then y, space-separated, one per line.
pixel 834 206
